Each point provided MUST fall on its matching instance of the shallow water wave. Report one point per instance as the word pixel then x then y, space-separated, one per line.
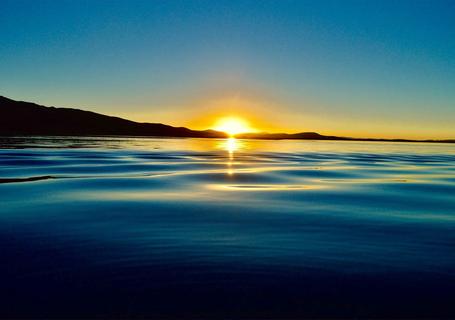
pixel 126 227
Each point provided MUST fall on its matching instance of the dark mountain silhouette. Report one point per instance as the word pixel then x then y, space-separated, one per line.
pixel 26 118
pixel 317 136
pixel 301 136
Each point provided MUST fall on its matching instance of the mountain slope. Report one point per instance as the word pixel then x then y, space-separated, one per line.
pixel 25 118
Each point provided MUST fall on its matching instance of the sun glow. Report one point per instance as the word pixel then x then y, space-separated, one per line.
pixel 233 126
pixel 231 145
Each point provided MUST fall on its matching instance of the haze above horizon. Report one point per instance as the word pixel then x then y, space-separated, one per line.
pixel 351 68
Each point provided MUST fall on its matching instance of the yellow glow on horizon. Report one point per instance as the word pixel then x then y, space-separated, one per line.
pixel 267 113
pixel 233 126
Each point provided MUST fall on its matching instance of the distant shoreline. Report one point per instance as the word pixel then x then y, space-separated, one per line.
pixel 26 119
pixel 239 138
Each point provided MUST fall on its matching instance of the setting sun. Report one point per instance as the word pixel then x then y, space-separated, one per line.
pixel 233 126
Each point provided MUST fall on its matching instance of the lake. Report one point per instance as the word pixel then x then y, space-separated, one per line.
pixel 208 228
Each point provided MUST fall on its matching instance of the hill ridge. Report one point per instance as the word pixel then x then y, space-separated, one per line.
pixel 29 118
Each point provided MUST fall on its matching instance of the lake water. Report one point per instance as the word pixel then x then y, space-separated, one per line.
pixel 143 227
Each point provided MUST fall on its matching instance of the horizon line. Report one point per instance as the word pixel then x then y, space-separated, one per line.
pixel 251 134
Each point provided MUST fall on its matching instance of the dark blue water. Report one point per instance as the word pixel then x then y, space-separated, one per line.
pixel 104 227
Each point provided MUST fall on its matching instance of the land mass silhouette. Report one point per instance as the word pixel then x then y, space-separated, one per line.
pixel 26 118
pixel 19 118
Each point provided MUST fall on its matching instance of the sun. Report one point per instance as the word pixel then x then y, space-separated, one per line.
pixel 232 126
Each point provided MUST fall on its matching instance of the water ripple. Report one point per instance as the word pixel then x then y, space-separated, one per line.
pixel 152 225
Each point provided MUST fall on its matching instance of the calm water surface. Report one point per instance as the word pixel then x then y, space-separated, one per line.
pixel 141 227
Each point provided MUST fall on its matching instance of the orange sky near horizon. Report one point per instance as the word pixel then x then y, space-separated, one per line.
pixel 269 116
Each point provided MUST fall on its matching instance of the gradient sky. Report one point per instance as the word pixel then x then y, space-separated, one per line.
pixel 356 68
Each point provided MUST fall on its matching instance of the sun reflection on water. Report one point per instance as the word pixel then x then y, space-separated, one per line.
pixel 231 145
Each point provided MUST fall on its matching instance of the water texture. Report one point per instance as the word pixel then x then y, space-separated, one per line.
pixel 141 227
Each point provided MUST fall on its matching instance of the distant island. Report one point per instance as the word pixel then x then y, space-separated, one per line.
pixel 19 118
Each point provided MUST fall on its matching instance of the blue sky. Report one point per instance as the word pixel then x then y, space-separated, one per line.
pixel 375 68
